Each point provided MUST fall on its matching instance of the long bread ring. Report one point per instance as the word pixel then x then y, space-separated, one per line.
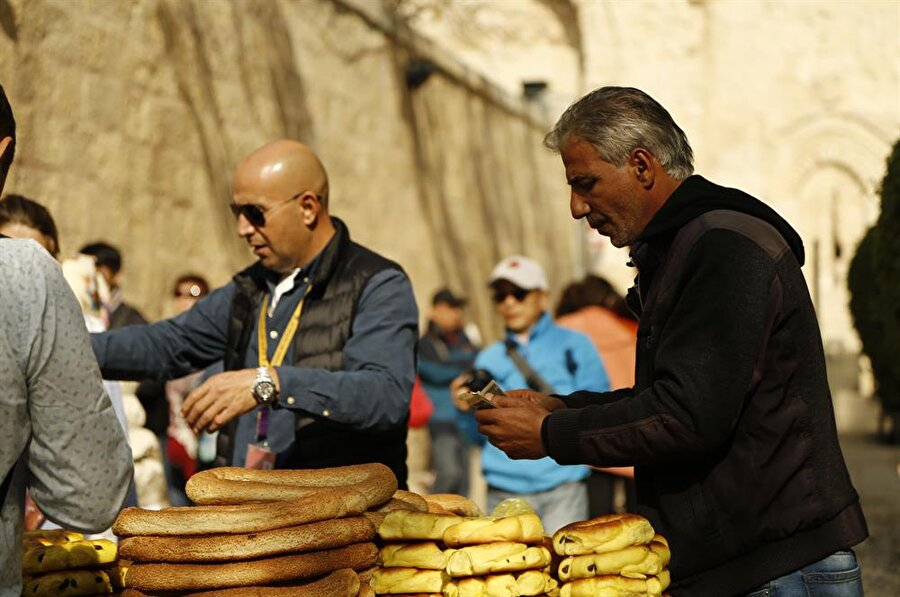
pixel 340 583
pixel 223 548
pixel 192 577
pixel 234 485
pixel 241 518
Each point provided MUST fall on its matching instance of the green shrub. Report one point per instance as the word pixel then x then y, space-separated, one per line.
pixel 874 281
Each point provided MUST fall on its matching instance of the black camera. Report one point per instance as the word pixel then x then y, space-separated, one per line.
pixel 477 379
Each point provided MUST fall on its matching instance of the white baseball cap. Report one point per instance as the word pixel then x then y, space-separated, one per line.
pixel 525 273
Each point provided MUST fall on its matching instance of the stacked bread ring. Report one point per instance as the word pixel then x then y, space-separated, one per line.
pixel 254 532
pixel 62 563
pixel 445 554
pixel 617 555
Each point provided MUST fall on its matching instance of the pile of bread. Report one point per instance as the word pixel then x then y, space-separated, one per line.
pixel 618 555
pixel 507 555
pixel 294 533
pixel 446 554
pixel 61 563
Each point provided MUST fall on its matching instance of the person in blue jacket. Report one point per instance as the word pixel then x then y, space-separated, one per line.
pixel 445 352
pixel 536 353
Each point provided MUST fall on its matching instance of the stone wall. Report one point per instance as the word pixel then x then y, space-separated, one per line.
pixel 133 114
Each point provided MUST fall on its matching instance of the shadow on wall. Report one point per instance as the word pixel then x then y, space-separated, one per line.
pixel 8 21
pixel 262 39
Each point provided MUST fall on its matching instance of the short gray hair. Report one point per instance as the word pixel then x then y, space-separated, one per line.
pixel 617 120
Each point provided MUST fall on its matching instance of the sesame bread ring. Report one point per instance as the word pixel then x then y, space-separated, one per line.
pixel 405 500
pixel 452 504
pixel 191 577
pixel 340 583
pixel 610 532
pixel 315 536
pixel 240 518
pixel 234 485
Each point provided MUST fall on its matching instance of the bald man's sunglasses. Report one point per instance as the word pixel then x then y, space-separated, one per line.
pixel 256 214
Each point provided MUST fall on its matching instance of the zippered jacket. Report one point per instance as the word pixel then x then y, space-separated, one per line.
pixel 730 423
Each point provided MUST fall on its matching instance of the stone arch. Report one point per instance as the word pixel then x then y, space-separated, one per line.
pixel 831 167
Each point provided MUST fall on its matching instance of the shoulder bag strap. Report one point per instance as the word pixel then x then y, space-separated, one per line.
pixel 532 378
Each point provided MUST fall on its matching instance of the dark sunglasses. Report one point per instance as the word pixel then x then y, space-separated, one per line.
pixel 254 213
pixel 519 294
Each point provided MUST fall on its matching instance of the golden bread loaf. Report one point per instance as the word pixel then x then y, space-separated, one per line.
pixel 241 518
pixel 498 585
pixel 637 561
pixel 611 532
pixel 521 528
pixel 406 525
pixel 234 485
pixel 496 558
pixel 425 555
pixel 66 556
pixel 192 577
pixel 536 582
pixel 68 583
pixel 340 583
pixel 314 536
pixel 528 583
pixel 38 537
pixel 391 581
pixel 616 586
pixel 453 503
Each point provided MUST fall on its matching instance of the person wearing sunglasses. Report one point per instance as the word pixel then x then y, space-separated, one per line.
pixel 317 336
pixel 538 354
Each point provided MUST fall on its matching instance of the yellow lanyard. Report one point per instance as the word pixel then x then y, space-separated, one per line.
pixel 286 337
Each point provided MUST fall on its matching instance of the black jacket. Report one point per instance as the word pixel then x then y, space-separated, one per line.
pixel 730 424
pixel 343 270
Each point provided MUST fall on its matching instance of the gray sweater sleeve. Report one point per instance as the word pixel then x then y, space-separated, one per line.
pixel 79 461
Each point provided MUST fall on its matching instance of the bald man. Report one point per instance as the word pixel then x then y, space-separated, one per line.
pixel 317 336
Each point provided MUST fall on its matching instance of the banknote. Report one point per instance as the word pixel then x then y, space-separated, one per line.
pixel 479 399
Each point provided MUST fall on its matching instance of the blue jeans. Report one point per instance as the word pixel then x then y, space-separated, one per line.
pixel 838 575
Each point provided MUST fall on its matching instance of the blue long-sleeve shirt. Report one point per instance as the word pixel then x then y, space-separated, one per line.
pixel 371 392
pixel 565 359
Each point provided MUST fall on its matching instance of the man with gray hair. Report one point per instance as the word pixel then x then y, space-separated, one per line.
pixel 730 424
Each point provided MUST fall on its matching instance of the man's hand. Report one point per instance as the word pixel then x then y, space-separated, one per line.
pixel 220 399
pixel 515 425
pixel 458 389
pixel 536 398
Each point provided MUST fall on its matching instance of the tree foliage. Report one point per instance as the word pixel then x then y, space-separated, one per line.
pixel 874 281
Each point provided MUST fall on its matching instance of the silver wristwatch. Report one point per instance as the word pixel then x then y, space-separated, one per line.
pixel 264 387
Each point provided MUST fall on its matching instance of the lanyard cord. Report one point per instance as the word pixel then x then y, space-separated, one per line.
pixel 262 416
pixel 285 342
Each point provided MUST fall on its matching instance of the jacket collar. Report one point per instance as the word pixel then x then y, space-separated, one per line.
pixel 696 196
pixel 543 324
pixel 326 262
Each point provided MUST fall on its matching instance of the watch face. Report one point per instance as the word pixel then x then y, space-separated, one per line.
pixel 264 391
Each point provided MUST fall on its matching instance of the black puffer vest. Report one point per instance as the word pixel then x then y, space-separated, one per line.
pixel 325 326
